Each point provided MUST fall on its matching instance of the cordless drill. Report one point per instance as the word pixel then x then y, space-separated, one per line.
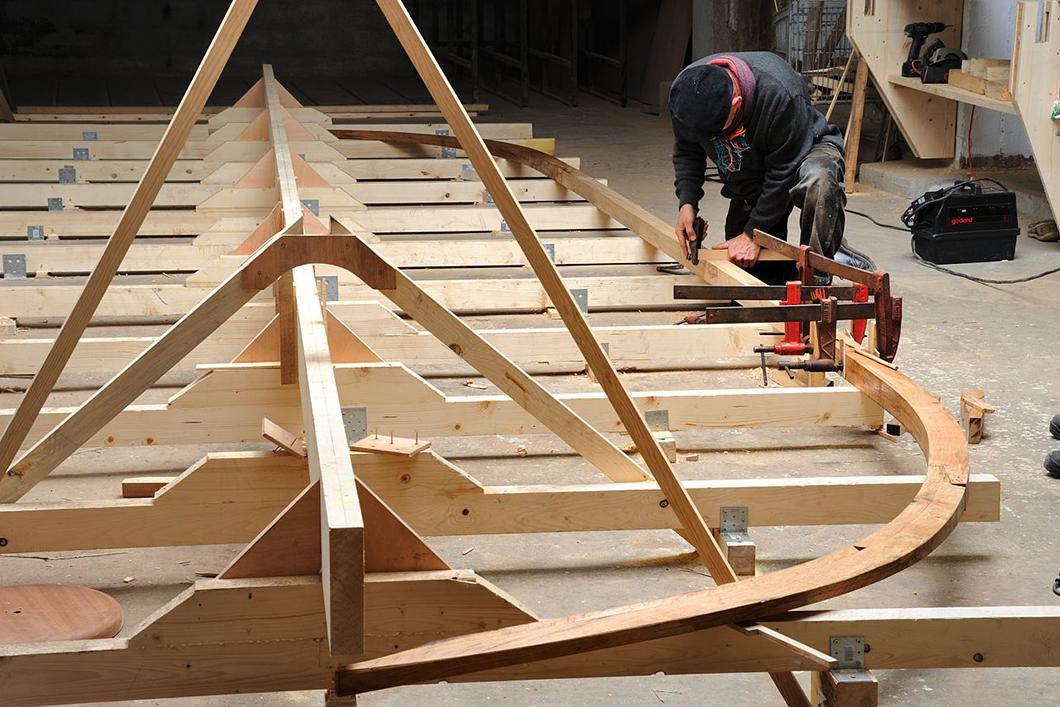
pixel 918 32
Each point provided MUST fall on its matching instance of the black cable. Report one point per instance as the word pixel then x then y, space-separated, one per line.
pixel 981 280
pixel 878 223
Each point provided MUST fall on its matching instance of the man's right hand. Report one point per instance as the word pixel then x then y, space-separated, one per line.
pixel 685 228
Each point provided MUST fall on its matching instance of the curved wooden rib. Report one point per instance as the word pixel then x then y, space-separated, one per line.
pixel 908 538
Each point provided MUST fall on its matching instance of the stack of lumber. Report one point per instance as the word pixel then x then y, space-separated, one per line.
pixel 987 77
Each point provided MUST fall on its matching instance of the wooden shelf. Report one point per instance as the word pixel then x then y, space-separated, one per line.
pixel 945 90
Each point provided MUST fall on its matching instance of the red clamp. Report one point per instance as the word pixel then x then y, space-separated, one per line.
pixel 859 326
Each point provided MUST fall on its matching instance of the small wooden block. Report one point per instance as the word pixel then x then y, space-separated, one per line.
pixel 844 688
pixel 385 444
pixel 974 409
pixel 290 443
pixel 739 550
pixel 668 443
pixel 143 486
pixel 8 328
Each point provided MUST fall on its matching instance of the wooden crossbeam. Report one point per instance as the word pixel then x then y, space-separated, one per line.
pixel 74 325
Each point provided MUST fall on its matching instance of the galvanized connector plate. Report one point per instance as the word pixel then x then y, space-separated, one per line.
pixel 733 519
pixel 550 249
pixel 89 135
pixel 849 652
pixel 355 421
pixel 15 266
pixel 329 285
pixel 313 205
pixel 55 203
pixel 35 233
pixel 581 298
pixel 81 154
pixel 67 175
pixel 658 420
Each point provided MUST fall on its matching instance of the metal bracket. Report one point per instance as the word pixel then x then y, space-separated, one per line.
pixel 81 154
pixel 329 285
pixel 550 250
pixel 302 155
pixel 581 298
pixel 67 175
pixel 89 135
pixel 447 152
pixel 313 205
pixel 849 652
pixel 468 173
pixel 658 420
pixel 15 266
pixel 733 519
pixel 55 203
pixel 35 233
pixel 487 197
pixel 355 420
pixel 505 228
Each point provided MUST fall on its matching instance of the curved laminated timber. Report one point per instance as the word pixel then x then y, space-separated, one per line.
pixel 324 292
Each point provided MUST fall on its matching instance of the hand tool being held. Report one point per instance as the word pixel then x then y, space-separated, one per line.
pixel 699 226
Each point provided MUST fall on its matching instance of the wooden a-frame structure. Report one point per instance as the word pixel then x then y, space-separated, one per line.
pixel 338 573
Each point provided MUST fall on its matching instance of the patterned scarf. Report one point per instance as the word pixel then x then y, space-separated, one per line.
pixel 729 148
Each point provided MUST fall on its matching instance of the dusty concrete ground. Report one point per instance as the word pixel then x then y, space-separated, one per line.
pixel 956 334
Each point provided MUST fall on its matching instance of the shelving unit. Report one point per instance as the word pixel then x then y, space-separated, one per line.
pixel 927 113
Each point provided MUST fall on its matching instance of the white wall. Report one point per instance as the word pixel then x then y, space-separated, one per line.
pixel 988 31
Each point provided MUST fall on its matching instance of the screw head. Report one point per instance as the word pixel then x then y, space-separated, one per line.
pixel 664 503
pixel 3 542
pixel 978 657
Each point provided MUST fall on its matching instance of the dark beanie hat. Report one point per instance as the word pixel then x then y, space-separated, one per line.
pixel 700 99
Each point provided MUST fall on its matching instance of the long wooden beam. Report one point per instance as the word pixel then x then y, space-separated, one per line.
pixel 176 135
pixel 443 500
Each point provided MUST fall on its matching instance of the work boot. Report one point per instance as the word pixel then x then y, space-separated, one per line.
pixel 1052 464
pixel 1054 427
pixel 854 258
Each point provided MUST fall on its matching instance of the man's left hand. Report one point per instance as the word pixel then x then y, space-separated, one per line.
pixel 742 250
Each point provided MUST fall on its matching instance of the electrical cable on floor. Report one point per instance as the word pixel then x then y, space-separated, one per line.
pixel 948 271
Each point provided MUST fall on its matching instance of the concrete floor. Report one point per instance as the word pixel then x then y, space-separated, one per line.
pixel 956 334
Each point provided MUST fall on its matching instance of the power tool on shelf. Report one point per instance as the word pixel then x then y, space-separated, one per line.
pixel 931 63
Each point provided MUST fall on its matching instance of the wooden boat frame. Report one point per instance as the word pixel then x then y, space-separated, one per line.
pixel 338 590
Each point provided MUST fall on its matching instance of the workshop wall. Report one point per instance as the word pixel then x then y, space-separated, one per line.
pixel 988 33
pixel 130 42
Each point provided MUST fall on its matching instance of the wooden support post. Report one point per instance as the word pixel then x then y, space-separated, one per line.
pixel 132 218
pixel 844 688
pixel 852 138
pixel 974 409
pixel 633 420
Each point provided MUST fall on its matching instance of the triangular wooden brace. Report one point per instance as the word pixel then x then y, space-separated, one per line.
pixel 268 228
pixel 255 97
pixel 257 130
pixel 290 545
pixel 346 346
pixel 264 347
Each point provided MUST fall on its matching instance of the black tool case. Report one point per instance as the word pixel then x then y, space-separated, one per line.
pixel 968 226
